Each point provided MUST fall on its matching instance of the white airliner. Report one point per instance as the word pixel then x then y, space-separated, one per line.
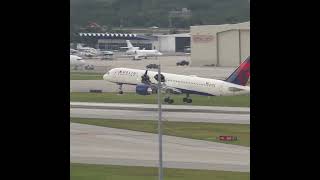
pixel 146 82
pixel 88 49
pixel 76 61
pixel 90 52
pixel 137 53
pixel 73 51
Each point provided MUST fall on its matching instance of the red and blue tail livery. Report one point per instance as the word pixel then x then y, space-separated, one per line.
pixel 241 75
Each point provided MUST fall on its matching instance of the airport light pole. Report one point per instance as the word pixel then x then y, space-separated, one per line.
pixel 159 124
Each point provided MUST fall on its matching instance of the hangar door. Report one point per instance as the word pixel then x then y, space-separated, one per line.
pixel 228 48
pixel 244 44
pixel 182 43
pixel 166 43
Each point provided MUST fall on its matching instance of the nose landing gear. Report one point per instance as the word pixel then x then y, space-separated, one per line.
pixel 120 89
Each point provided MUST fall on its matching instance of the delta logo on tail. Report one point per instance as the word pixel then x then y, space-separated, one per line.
pixel 241 75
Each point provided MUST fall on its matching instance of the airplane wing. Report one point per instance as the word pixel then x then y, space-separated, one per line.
pixel 234 89
pixel 137 57
pixel 107 52
pixel 171 90
pixel 164 88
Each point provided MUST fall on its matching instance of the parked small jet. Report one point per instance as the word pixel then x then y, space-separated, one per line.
pixel 137 53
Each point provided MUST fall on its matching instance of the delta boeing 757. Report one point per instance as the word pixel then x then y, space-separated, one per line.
pixel 146 82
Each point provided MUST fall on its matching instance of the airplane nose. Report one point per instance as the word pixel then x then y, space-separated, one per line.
pixel 106 76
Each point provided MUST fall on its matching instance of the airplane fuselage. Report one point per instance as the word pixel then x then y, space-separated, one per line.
pixel 76 61
pixel 183 83
pixel 144 53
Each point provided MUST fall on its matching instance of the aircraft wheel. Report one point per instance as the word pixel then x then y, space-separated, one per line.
pixel 185 99
pixel 166 100
pixel 170 101
pixel 189 101
pixel 169 91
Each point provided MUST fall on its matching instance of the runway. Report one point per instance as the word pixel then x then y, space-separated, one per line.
pixel 105 86
pixel 167 116
pixel 179 113
pixel 165 107
pixel 101 145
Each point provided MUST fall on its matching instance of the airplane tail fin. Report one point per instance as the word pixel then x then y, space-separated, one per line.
pixel 79 46
pixel 129 44
pixel 241 75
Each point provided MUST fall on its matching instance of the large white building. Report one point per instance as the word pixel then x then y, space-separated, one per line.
pixel 224 45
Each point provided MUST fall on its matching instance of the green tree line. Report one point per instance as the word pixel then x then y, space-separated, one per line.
pixel 146 13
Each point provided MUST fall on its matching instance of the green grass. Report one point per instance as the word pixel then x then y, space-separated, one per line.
pixel 193 130
pixel 111 172
pixel 234 101
pixel 85 76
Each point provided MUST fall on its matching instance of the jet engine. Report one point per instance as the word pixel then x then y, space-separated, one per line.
pixel 143 89
pixel 162 78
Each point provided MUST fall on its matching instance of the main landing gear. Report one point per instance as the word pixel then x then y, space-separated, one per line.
pixel 168 92
pixel 168 100
pixel 187 99
pixel 120 89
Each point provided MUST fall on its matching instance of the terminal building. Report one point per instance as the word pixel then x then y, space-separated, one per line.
pixel 113 41
pixel 170 43
pixel 224 45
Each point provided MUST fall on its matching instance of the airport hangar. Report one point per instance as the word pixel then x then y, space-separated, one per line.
pixel 225 45
pixel 170 43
